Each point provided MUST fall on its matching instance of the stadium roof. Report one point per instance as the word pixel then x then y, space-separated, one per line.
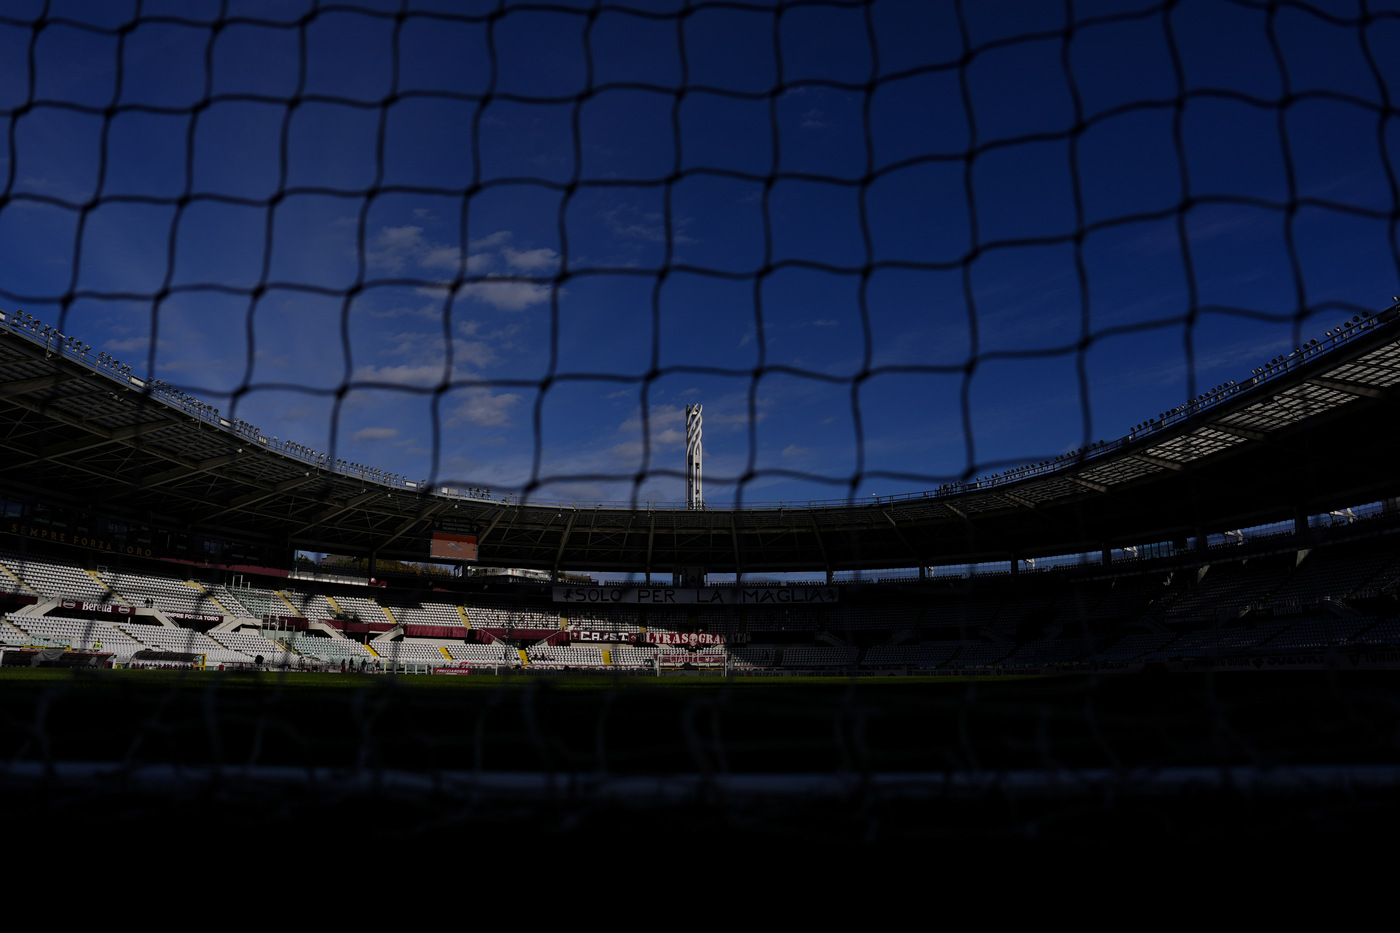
pixel 1306 433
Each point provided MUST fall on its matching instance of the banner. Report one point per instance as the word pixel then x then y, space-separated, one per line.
pixel 78 539
pixel 684 638
pixel 193 616
pixel 695 596
pixel 425 630
pixel 97 607
pixel 696 660
pixel 616 638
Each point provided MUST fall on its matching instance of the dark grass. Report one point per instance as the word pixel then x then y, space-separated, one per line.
pixel 910 761
pixel 591 723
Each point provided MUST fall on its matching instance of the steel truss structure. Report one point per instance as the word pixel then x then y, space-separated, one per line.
pixel 1307 433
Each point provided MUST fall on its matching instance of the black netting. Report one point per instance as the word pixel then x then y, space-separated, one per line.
pixel 1038 223
pixel 889 245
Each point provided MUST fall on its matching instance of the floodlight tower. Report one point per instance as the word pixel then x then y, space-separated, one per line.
pixel 691 574
pixel 694 498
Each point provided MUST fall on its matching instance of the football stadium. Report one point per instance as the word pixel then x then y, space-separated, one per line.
pixel 848 420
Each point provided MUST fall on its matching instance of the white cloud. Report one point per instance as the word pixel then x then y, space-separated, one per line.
pixel 432 371
pixel 659 417
pixel 649 227
pixel 499 238
pixel 427 374
pixel 374 434
pixel 474 352
pixel 397 249
pixel 393 247
pixel 506 295
pixel 532 260
pixel 431 311
pixel 447 258
pixel 420 359
pixel 482 408
pixel 127 345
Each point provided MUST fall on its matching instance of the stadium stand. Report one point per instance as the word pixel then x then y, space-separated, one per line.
pixel 145 528
pixel 1333 590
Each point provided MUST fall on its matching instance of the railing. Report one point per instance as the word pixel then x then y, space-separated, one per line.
pixel 58 344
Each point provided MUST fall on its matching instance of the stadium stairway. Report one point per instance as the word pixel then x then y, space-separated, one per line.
pixel 41 608
pixel 1340 609
pixel 223 610
pixel 23 587
pixel 12 634
pixel 116 597
pixel 524 658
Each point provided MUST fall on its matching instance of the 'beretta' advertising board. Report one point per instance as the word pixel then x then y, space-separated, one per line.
pixel 690 596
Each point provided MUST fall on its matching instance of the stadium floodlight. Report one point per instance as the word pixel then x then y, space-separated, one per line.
pixel 694 423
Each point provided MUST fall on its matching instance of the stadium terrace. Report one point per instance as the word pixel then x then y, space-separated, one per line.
pixel 192 522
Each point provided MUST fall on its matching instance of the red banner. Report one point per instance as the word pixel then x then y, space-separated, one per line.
pixel 362 627
pixel 684 638
pixel 422 630
pixel 97 607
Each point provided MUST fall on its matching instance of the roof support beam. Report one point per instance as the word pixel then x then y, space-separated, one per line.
pixel 1157 462
pixel 23 386
pixel 1246 433
pixel 97 437
pixel 651 537
pixel 563 540
pixel 1087 484
pixel 734 537
pixel 1351 388
pixel 483 536
pixel 335 510
pixel 203 466
pixel 918 558
pixel 410 522
pixel 247 499
pixel 821 545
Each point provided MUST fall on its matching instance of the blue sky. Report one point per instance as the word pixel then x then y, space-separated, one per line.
pixel 878 206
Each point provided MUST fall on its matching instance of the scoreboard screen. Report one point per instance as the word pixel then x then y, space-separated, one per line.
pixel 452 546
